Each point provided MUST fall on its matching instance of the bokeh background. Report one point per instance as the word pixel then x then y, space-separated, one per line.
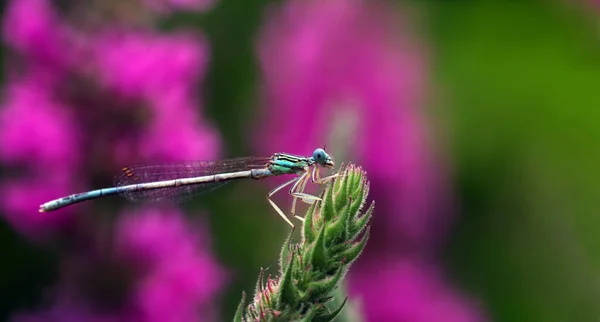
pixel 476 120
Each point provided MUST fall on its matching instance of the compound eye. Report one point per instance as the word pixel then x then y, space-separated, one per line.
pixel 319 155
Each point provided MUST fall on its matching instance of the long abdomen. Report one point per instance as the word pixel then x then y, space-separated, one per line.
pixel 76 198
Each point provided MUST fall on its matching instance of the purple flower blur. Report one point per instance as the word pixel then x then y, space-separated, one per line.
pixel 159 71
pixel 347 73
pixel 33 28
pixel 140 88
pixel 181 277
pixel 344 67
pixel 168 71
pixel 80 103
pixel 175 278
pixel 412 291
pixel 38 132
pixel 51 131
pixel 19 194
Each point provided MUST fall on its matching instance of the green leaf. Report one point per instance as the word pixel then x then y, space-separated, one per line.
pixel 258 287
pixel 341 193
pixel 239 313
pixel 318 256
pixel 308 228
pixel 330 316
pixel 337 182
pixel 358 199
pixel 310 315
pixel 328 206
pixel 288 292
pixel 358 179
pixel 284 255
pixel 361 222
pixel 353 252
pixel 323 287
pixel 339 227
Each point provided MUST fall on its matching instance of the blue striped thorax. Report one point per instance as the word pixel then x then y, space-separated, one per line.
pixel 283 163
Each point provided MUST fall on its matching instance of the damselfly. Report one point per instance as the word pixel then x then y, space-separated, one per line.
pixel 184 180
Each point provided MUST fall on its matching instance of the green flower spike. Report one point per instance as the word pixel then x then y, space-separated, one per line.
pixel 334 233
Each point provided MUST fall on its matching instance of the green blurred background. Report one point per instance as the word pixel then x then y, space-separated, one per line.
pixel 516 101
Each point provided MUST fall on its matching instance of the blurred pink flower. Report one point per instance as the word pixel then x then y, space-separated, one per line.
pixel 137 234
pixel 410 290
pixel 35 31
pixel 40 148
pixel 166 78
pixel 181 276
pixel 66 122
pixel 347 73
pixel 134 99
pixel 146 64
pixel 36 127
pixel 165 263
pixel 20 198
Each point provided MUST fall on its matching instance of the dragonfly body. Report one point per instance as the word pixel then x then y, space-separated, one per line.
pixel 183 180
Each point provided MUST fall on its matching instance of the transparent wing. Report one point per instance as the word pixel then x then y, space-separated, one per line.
pixel 141 174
